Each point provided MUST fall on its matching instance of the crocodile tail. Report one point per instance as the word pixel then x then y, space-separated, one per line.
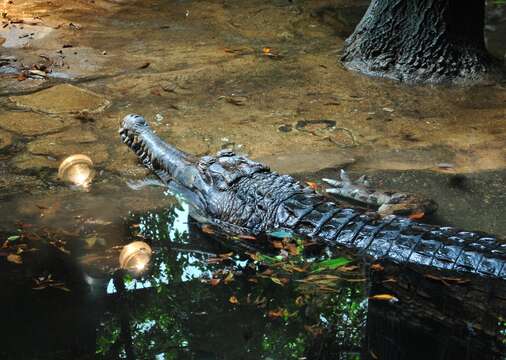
pixel 396 238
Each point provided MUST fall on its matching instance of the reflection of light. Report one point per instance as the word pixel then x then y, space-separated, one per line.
pixel 77 170
pixel 135 257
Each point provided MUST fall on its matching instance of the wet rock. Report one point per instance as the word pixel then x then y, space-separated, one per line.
pixel 125 163
pixel 5 139
pixel 303 162
pixel 63 98
pixel 30 123
pixel 71 142
pixel 21 35
pixel 28 161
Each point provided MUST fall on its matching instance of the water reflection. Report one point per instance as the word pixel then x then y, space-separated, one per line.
pixel 175 311
pixel 135 257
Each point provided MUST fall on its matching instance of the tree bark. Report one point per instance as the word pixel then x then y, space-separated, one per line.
pixel 428 41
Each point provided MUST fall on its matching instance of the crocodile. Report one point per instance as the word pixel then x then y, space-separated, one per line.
pixel 240 196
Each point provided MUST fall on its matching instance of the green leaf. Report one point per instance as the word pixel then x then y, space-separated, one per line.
pixel 13 238
pixel 330 264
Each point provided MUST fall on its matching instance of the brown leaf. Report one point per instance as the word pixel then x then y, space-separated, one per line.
pixel 377 267
pixel 13 258
pixel 384 297
pixel 292 249
pixel 276 313
pixel 348 268
pixel 229 278
pixel 226 255
pixel 312 185
pixel 247 237
pixel 277 244
pixel 233 300
pixel 214 281
pixel 417 215
pixel 207 229
pixel 314 330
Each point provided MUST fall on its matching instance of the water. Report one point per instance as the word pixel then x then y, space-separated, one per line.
pixel 199 73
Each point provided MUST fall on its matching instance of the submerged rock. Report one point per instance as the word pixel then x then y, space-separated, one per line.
pixel 28 161
pixel 30 123
pixel 74 141
pixel 5 139
pixel 63 98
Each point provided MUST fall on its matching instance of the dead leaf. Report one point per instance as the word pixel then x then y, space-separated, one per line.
pixel 348 268
pixel 384 297
pixel 13 258
pixel 214 281
pixel 276 313
pixel 276 280
pixel 314 330
pixel 292 249
pixel 417 215
pixel 233 300
pixel 312 185
pixel 226 255
pixel 277 244
pixel 377 267
pixel 229 278
pixel 207 229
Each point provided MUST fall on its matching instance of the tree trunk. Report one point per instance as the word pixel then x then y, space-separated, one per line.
pixel 430 41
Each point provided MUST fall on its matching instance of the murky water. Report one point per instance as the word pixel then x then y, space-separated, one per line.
pixel 263 78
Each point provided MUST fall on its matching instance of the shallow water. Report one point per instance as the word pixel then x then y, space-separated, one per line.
pixel 200 73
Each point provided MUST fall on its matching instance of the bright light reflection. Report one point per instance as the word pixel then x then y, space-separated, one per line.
pixel 135 257
pixel 77 170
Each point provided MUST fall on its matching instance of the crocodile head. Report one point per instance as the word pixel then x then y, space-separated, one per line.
pixel 208 184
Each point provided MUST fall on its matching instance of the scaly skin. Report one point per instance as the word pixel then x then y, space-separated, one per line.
pixel 241 196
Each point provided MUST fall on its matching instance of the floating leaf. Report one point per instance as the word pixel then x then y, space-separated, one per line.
pixel 229 278
pixel 331 264
pixel 417 215
pixel 276 313
pixel 384 297
pixel 377 267
pixel 312 185
pixel 16 259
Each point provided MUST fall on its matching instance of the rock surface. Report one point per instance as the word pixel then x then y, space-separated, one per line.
pixel 71 142
pixel 30 123
pixel 5 139
pixel 64 98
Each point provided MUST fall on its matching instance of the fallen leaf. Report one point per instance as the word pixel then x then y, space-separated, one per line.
pixel 16 259
pixel 207 229
pixel 229 278
pixel 278 281
pixel 417 215
pixel 233 300
pixel 277 244
pixel 312 185
pixel 247 237
pixel 292 249
pixel 314 330
pixel 275 313
pixel 330 264
pixel 348 268
pixel 384 297
pixel 377 267
pixel 214 281
pixel 226 255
